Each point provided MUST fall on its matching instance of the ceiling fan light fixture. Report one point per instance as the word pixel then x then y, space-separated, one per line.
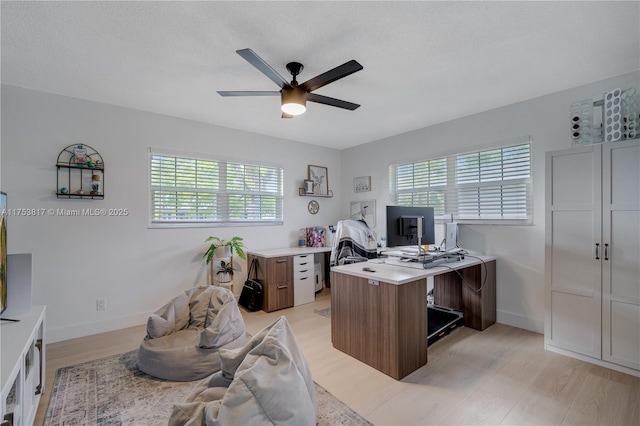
pixel 294 101
pixel 294 95
pixel 293 108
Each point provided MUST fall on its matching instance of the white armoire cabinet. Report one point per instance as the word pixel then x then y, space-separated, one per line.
pixel 592 254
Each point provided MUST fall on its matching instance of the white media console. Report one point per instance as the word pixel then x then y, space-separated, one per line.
pixel 22 347
pixel 23 367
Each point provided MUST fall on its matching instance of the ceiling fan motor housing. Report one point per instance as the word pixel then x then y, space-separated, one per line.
pixel 294 100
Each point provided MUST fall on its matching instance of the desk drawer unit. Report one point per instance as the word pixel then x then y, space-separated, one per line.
pixel 275 274
pixel 303 279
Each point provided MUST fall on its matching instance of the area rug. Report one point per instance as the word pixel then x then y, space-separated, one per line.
pixel 326 312
pixel 112 391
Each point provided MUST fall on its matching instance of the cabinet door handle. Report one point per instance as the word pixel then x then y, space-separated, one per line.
pixel 39 387
pixel 606 251
pixel 281 260
pixel 597 251
pixel 280 287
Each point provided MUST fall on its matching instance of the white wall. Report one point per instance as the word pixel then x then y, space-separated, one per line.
pixel 519 249
pixel 77 260
pixel 136 269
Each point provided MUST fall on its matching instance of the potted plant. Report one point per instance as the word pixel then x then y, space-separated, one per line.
pixel 225 274
pixel 234 245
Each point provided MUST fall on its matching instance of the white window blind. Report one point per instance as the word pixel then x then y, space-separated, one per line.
pixel 491 185
pixel 423 183
pixel 198 191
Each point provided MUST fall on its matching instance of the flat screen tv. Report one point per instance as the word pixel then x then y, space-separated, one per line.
pixel 3 254
pixel 402 225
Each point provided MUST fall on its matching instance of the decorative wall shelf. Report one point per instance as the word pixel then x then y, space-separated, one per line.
pixel 303 193
pixel 80 173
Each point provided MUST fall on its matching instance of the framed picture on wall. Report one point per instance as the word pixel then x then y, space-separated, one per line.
pixel 320 178
pixel 364 210
pixel 362 184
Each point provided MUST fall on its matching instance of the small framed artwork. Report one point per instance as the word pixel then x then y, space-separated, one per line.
pixel 362 184
pixel 320 178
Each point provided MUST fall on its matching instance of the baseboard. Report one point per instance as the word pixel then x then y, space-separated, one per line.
pixel 590 360
pixel 87 329
pixel 520 321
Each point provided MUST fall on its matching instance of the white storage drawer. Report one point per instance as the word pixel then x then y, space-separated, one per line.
pixel 303 279
pixel 302 260
pixel 305 274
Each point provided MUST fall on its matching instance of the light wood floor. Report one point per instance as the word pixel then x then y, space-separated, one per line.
pixel 499 376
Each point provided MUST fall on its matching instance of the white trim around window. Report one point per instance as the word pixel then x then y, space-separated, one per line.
pixel 486 186
pixel 199 191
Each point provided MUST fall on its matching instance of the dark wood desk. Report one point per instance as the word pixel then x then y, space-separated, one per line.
pixel 380 318
pixel 275 270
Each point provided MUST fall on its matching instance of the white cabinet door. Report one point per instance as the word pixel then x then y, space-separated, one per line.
pixel 621 256
pixel 573 249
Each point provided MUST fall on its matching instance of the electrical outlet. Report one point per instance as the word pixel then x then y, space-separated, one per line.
pixel 101 304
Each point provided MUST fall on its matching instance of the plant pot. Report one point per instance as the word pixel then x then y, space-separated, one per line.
pixel 223 251
pixel 224 277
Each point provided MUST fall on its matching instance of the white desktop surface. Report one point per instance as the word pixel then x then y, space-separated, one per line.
pixel 395 274
pixel 288 251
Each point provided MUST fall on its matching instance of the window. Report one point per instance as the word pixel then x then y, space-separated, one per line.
pixel 196 191
pixel 492 185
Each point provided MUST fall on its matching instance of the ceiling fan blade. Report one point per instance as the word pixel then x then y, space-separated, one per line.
pixel 262 66
pixel 248 93
pixel 313 97
pixel 330 76
pixel 285 115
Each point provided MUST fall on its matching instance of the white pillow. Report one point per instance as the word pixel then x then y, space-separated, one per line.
pixel 161 322
pixel 181 306
pixel 171 317
pixel 198 305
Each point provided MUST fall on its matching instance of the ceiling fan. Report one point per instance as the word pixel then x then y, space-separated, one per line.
pixel 294 96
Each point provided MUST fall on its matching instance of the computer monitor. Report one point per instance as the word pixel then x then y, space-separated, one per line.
pixel 402 225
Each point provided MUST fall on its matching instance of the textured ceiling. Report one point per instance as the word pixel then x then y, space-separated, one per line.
pixel 424 62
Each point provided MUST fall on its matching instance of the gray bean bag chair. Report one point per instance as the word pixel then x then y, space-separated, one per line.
pixel 184 337
pixel 267 382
